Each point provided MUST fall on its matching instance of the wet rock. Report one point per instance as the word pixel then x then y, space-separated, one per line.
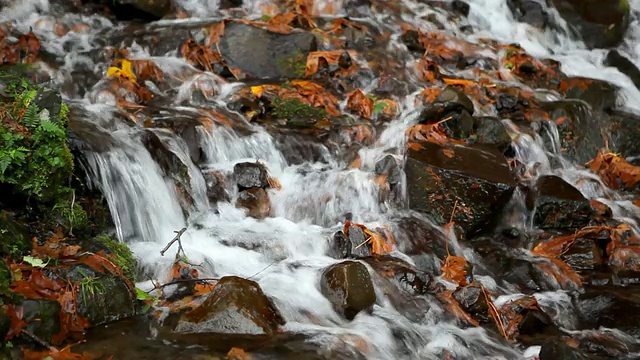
pixel 454 98
pixel 622 63
pixel 51 100
pixel 264 54
pixel 456 6
pixel 611 307
pixel 475 175
pixel 348 287
pixel 169 162
pixel 623 134
pixel 347 246
pixel 478 130
pixel 156 8
pixel 229 4
pixel 452 103
pixel 473 301
pixel 579 129
pixel 235 306
pixel 584 254
pixel 42 317
pixel 599 94
pixel 558 205
pixel 250 175
pixel 184 126
pixel 102 298
pixel 529 11
pixel 216 188
pixel 256 201
pixel 600 24
pixel 389 166
pixel 524 317
pixel 554 349
pixel 416 236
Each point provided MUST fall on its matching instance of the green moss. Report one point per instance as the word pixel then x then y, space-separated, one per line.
pixel 293 65
pixel 295 110
pixel 70 215
pixel 34 157
pixel 624 6
pixel 124 257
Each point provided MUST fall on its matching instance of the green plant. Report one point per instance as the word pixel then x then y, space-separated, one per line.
pixel 294 108
pixel 34 157
pixel 123 256
pixel 70 214
pixel 90 286
pixel 295 64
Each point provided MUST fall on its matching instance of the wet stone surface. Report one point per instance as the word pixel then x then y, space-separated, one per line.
pixel 236 306
pixel 478 177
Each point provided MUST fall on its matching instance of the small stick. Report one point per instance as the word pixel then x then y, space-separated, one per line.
pixel 35 338
pixel 176 238
pixel 180 281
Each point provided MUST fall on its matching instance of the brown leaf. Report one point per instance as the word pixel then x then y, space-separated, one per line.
pixel 454 269
pixel 359 102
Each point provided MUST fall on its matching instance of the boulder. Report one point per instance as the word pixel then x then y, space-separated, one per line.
pixel 264 54
pixel 554 349
pixel 156 8
pixel 579 129
pixel 42 317
pixel 600 24
pixel 389 167
pixel 585 254
pixel 529 11
pixel 235 306
pixel 611 307
pixel 478 130
pixel 622 63
pixel 249 175
pixel 473 301
pixel 415 236
pixel 347 246
pixel 348 286
pixel 477 176
pixel 101 298
pixel 524 317
pixel 623 134
pixel 557 204
pixel 599 94
pixel 256 201
pixel 216 188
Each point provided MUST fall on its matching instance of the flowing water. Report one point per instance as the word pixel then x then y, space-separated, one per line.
pixel 285 253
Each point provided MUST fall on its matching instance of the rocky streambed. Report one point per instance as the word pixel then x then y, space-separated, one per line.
pixel 324 179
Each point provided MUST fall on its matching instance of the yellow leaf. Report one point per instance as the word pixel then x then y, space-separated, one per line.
pixel 113 71
pixel 256 91
pixel 123 71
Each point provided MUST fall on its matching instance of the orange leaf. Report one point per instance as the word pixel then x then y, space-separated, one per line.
pixel 358 101
pixel 454 269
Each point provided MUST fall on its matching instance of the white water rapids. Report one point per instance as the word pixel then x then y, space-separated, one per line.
pixel 285 253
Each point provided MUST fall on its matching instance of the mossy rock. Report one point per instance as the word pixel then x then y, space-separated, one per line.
pixel 70 215
pixel 297 113
pixel 124 257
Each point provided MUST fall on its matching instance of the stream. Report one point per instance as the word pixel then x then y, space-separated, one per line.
pixel 286 252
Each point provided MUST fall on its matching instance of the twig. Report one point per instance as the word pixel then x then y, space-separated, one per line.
pixel 446 244
pixel 176 238
pixel 259 272
pixel 35 338
pixel 180 281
